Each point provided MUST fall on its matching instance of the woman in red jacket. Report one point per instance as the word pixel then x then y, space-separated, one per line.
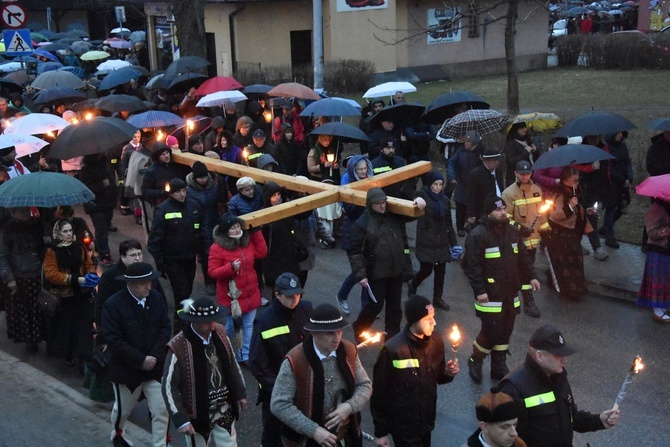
pixel 232 257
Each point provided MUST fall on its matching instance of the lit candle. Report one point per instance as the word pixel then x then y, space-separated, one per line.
pixel 267 116
pixel 189 128
pixel 543 209
pixel 167 186
pixel 455 337
pixel 331 159
pixel 369 338
pixel 88 116
pixel 159 135
pixel 87 240
pixel 635 368
pixel 245 155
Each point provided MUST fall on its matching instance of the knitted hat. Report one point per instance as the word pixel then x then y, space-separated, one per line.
pixel 473 137
pixel 491 203
pixel 201 310
pixel 258 133
pixel 389 142
pixel 549 338
pixel 434 176
pixel 171 141
pixel 228 220
pixel 375 195
pixel 195 139
pixel 177 184
pixel 199 170
pixel 326 318
pixel 416 308
pixel 244 182
pixel 496 407
pixel 217 122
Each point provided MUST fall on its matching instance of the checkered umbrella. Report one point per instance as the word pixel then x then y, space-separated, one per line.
pixel 43 189
pixel 482 120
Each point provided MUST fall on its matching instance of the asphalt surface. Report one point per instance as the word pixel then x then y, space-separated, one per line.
pixel 44 402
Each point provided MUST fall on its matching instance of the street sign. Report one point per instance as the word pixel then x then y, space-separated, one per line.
pixel 120 13
pixel 17 42
pixel 13 15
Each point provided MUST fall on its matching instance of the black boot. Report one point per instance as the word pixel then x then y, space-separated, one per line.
pixel 529 307
pixel 475 369
pixel 440 304
pixel 499 365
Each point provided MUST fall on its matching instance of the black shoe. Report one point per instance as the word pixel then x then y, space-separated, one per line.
pixel 612 243
pixel 530 308
pixel 112 228
pixel 499 367
pixel 125 210
pixel 461 233
pixel 475 370
pixel 138 220
pixel 440 304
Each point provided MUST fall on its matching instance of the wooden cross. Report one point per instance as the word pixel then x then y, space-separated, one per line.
pixel 320 194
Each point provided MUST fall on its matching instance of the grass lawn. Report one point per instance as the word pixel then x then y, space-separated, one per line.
pixel 640 96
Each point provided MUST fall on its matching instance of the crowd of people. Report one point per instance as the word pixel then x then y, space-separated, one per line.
pixel 312 385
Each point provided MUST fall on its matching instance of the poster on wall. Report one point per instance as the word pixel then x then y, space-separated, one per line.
pixel 444 25
pixel 659 15
pixel 360 5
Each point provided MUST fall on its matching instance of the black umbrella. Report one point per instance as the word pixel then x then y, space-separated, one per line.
pixel 186 64
pixel 447 105
pixel 346 132
pixel 402 113
pixel 595 123
pixel 570 154
pixel 93 136
pixel 662 124
pixel 11 85
pixel 181 82
pixel 86 104
pixel 256 89
pixel 52 48
pixel 58 95
pixel 118 77
pixel 117 103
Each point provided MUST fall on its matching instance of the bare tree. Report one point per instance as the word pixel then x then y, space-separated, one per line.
pixel 189 18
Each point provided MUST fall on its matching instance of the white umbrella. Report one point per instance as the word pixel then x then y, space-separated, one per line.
pixel 220 98
pixel 113 64
pixel 36 124
pixel 389 89
pixel 119 30
pixel 24 144
pixel 149 85
pixel 10 66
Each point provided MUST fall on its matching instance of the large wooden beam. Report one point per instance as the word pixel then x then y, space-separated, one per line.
pixel 286 209
pixel 394 176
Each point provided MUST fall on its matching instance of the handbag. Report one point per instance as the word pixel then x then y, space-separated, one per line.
pixel 48 303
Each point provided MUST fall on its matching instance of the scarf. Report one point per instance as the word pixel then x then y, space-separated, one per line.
pixel 437 198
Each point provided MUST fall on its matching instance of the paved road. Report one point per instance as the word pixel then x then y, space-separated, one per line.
pixel 607 334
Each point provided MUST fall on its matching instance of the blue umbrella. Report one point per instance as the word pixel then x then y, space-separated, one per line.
pixel 574 12
pixel 44 189
pixel 155 118
pixel 330 107
pixel 58 94
pixel 662 124
pixel 570 154
pixel 118 77
pixel 256 89
pixel 43 67
pixel 346 132
pixel 444 106
pixel 595 123
pixel 46 54
pixel 77 71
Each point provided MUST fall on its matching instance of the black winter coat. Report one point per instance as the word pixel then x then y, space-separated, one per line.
pixel 133 333
pixel 434 235
pixel 480 185
pixel 101 180
pixel 550 418
pixel 158 174
pixel 276 332
pixel 282 256
pixel 406 376
pixel 176 232
pixel 658 156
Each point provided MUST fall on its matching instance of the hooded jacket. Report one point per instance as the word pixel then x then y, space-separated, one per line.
pixel 282 256
pixel 208 197
pixel 351 211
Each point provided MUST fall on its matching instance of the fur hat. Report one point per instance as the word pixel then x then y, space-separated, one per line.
pixel 496 407
pixel 417 307
pixel 326 318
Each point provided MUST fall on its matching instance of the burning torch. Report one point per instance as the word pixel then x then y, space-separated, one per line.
pixel 543 209
pixel 455 337
pixel 635 368
pixel 189 128
pixel 369 338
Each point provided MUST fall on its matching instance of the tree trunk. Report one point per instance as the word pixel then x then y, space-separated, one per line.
pixel 510 57
pixel 189 16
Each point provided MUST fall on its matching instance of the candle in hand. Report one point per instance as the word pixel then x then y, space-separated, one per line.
pixel 455 337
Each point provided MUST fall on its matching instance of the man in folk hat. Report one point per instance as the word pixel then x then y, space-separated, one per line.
pixel 547 411
pixel 176 240
pixel 496 264
pixel 406 374
pixel 498 416
pixel 482 181
pixel 523 200
pixel 203 386
pixel 136 327
pixel 276 332
pixel 322 386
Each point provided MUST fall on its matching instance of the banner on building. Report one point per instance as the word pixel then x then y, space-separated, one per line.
pixel 444 25
pixel 360 5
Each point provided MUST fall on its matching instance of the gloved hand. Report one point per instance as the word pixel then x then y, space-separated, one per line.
pixel 524 231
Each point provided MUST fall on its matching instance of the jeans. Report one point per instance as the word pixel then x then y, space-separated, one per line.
pixel 612 214
pixel 247 331
pixel 101 221
pixel 348 284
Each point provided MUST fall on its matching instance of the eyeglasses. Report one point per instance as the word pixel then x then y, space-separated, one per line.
pixel 246 127
pixel 236 227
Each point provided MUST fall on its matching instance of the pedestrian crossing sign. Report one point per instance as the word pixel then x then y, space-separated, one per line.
pixel 17 42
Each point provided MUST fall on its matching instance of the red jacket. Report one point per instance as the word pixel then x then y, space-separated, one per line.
pixel 224 251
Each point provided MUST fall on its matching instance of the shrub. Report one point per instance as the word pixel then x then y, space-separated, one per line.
pixel 568 49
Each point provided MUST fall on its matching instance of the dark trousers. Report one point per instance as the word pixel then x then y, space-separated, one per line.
pixel 593 236
pixel 612 214
pixel 101 221
pixel 271 436
pixel 424 272
pixel 460 216
pixel 495 332
pixel 385 290
pixel 419 441
pixel 181 273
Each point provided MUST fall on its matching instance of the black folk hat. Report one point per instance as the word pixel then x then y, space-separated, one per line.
pixel 202 310
pixel 326 318
pixel 138 272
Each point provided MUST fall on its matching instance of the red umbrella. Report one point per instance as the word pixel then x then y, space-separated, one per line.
pixel 294 90
pixel 218 84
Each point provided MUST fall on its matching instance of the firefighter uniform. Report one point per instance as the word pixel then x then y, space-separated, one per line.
pixel 523 202
pixel 495 264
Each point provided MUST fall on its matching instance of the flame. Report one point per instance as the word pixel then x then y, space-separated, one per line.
pixel 190 124
pixel 245 154
pixel 167 187
pixel 330 157
pixel 159 135
pixel 455 335
pixel 374 337
pixel 546 207
pixel 50 134
pixel 638 365
pixel 88 116
pixel 74 120
pixel 267 116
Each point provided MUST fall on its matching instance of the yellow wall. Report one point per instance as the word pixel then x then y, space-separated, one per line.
pixel 216 21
